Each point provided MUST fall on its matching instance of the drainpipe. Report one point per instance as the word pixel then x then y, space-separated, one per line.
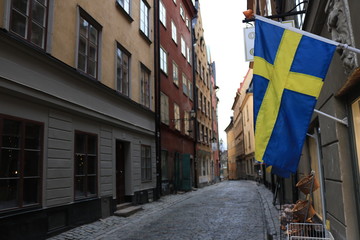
pixel 193 41
pixel 157 97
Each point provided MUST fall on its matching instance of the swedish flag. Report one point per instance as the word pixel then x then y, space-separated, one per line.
pixel 289 69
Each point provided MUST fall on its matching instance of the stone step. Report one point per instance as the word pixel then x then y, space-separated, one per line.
pixel 126 212
pixel 123 205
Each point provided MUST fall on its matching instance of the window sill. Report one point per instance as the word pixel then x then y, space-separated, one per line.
pixel 122 10
pixel 164 73
pixel 146 38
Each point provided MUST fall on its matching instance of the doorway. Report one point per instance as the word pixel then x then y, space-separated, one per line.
pixel 120 171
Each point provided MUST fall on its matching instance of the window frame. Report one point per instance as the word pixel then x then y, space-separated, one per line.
pixel 175 74
pixel 92 22
pixel 29 19
pixel 145 18
pixel 145 94
pixel 122 5
pixel 146 164
pixel 183 46
pixel 21 167
pixel 162 13
pixel 86 175
pixel 164 109
pixel 163 60
pixel 119 84
pixel 177 122
pixel 174 32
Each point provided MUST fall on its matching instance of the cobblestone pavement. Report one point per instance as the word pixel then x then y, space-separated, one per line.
pixel 227 210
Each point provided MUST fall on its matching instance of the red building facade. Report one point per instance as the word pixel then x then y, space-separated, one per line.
pixel 176 95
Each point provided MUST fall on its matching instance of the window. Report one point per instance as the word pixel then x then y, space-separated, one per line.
pixel 164 115
pixel 187 122
pixel 174 1
pixel 190 88
pixel 144 18
pixel 173 31
pixel 183 47
pixel 28 20
pixel 125 4
pixel 162 13
pixel 204 104
pixel 355 107
pixel 182 12
pixel 88 45
pixel 21 145
pixel 187 21
pixel 163 60
pixel 146 163
pixel 200 100
pixel 184 83
pixel 164 165
pixel 202 72
pixel 145 86
pixel 175 74
pixel 85 165
pixel 177 117
pixel 188 56
pixel 122 70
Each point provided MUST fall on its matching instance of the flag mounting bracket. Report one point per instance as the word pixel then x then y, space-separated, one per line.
pixel 343 121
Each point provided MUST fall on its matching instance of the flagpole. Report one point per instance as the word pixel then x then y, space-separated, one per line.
pixel 311 35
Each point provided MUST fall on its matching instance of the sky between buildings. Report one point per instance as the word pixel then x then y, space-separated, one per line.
pixel 223 30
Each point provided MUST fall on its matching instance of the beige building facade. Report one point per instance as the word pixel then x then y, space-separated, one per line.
pixel 76 110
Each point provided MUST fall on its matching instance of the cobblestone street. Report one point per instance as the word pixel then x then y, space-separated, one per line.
pixel 227 210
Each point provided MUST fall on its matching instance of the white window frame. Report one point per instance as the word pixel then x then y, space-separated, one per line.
pixel 173 31
pixel 182 12
pixel 120 53
pixel 177 121
pixel 188 56
pixel 145 83
pixel 144 17
pixel 162 13
pixel 184 84
pixel 163 60
pixel 125 4
pixel 175 74
pixel 183 47
pixel 164 111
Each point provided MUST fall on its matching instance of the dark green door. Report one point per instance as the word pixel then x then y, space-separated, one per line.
pixel 186 172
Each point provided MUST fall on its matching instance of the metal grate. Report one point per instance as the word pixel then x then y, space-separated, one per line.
pixel 303 231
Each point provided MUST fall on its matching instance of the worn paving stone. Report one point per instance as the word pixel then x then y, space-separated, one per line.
pixel 240 210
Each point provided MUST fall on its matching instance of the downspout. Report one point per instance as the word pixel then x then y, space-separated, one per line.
pixel 157 97
pixel 193 41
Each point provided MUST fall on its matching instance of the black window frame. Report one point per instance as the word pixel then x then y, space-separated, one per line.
pixel 23 148
pixel 85 174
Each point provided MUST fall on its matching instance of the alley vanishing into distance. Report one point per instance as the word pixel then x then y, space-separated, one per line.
pixel 227 210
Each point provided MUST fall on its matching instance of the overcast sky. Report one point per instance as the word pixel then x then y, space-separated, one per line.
pixel 223 31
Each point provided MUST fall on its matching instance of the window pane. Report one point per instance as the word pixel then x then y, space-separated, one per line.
pixel 21 5
pixel 32 137
pixel 8 193
pixel 80 143
pixel 82 45
pixel 43 2
pixel 79 187
pixel 18 23
pixel 91 165
pixel 92 52
pixel 37 35
pixel 31 163
pixel 9 163
pixel 93 34
pixel 79 164
pixel 92 145
pixel 91 68
pixel 81 62
pixel 11 134
pixel 91 186
pixel 84 27
pixel 38 13
pixel 31 191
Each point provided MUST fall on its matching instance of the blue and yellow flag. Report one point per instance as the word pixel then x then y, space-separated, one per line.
pixel 289 69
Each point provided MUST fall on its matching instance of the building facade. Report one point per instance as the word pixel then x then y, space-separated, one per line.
pixel 76 112
pixel 176 95
pixel 203 121
pixel 331 147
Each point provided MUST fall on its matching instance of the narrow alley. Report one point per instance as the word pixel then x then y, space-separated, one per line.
pixel 227 210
